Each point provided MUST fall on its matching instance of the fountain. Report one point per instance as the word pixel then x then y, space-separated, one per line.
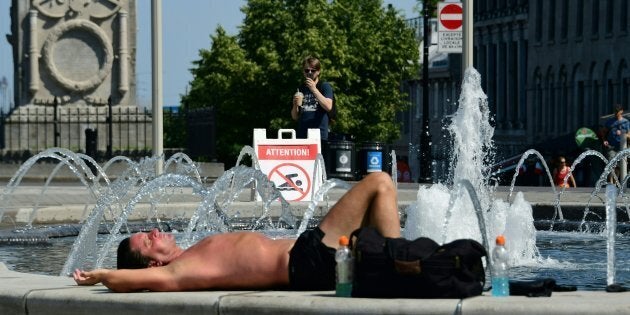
pixel 446 214
pixel 463 207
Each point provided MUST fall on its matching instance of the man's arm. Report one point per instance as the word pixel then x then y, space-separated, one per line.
pixel 324 99
pixel 130 280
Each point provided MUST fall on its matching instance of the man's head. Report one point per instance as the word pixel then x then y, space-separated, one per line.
pixel 311 67
pixel 143 250
pixel 618 110
pixel 128 258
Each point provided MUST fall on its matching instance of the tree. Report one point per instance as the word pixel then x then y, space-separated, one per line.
pixel 366 52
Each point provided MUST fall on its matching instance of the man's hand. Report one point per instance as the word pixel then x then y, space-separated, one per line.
pixel 89 277
pixel 311 84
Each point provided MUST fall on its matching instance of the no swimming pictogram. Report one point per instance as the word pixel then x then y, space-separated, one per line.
pixel 292 180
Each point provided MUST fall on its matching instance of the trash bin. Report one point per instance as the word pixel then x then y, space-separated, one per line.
pixel 373 157
pixel 340 160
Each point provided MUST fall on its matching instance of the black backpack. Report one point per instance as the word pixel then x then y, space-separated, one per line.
pixel 401 268
pixel 332 114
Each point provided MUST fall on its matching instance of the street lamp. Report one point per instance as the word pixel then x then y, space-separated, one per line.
pixel 425 136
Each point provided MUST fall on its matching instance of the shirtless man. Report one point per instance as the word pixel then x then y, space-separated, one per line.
pixel 250 260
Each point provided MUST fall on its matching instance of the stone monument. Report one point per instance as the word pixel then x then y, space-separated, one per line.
pixel 75 62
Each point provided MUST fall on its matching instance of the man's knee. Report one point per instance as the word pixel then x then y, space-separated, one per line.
pixel 381 181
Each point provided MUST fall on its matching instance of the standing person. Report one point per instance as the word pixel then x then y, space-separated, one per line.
pixel 561 171
pixel 311 108
pixel 249 260
pixel 615 132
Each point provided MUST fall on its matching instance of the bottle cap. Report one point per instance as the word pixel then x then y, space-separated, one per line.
pixel 344 241
pixel 500 240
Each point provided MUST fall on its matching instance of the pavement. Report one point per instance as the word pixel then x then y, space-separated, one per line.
pixel 65 201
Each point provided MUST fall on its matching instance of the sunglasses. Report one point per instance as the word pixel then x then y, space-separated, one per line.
pixel 310 70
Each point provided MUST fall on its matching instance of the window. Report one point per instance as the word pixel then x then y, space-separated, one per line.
pixel 595 18
pixel 564 19
pixel 609 16
pixel 579 19
pixel 552 21
pixel 623 17
pixel 538 17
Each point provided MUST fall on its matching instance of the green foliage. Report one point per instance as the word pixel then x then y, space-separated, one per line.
pixel 174 129
pixel 366 51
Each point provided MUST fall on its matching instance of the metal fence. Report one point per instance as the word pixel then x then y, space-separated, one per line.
pixel 103 132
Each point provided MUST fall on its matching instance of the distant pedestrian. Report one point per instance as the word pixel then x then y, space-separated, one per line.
pixel 530 173
pixel 404 173
pixel 561 172
pixel 313 101
pixel 615 135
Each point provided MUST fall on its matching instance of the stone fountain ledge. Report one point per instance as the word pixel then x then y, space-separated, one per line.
pixel 32 294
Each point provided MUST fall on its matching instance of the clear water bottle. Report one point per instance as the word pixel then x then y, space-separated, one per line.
pixel 345 268
pixel 500 276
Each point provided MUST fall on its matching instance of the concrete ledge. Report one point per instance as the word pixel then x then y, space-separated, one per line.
pixel 32 294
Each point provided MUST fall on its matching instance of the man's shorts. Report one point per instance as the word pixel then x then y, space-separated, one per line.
pixel 311 263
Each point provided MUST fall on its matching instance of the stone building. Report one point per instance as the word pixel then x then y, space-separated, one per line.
pixel 75 63
pixel 548 68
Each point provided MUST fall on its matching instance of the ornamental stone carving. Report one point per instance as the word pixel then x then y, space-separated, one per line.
pixel 78 55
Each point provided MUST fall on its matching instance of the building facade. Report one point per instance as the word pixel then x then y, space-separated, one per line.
pixel 548 68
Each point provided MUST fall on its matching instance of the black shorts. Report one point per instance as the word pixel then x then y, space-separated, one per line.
pixel 311 263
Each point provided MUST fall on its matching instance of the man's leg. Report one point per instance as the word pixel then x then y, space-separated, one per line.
pixel 371 202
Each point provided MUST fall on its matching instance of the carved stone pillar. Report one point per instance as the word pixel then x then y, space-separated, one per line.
pixel 33 52
pixel 123 53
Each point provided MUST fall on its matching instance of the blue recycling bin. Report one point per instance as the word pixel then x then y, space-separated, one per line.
pixel 373 157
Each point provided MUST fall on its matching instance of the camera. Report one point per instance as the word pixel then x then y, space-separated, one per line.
pixel 310 75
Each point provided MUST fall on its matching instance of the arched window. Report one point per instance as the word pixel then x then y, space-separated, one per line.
pixel 550 106
pixel 563 104
pixel 537 103
pixel 577 79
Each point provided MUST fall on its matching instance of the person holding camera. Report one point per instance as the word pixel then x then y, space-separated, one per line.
pixel 312 101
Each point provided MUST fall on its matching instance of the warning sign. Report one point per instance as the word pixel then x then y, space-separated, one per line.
pixel 289 162
pixel 450 20
pixel 292 180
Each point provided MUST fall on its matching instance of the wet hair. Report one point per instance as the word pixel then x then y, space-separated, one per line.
pixel 130 259
pixel 312 62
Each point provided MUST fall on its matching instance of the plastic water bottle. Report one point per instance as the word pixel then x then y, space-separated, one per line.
pixel 500 276
pixel 345 266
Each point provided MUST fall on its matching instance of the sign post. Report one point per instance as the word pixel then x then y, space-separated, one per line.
pixel 450 21
pixel 289 163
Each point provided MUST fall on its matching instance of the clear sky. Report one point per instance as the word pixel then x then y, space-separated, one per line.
pixel 186 28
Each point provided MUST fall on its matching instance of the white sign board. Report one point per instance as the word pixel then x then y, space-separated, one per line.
pixel 450 21
pixel 289 163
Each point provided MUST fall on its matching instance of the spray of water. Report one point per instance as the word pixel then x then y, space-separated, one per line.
pixel 447 213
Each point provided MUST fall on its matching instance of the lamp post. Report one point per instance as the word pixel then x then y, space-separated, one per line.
pixel 425 136
pixel 156 83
